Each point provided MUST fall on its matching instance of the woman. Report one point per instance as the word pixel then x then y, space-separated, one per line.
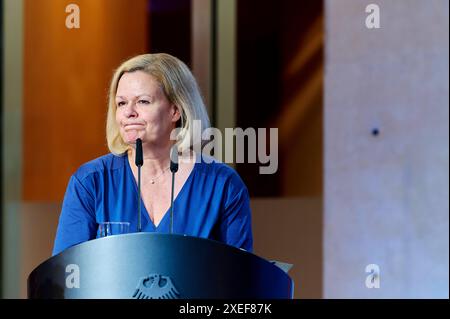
pixel 150 96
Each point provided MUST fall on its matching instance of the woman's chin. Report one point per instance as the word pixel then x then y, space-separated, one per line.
pixel 130 137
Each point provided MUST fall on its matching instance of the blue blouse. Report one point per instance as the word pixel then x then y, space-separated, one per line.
pixel 213 203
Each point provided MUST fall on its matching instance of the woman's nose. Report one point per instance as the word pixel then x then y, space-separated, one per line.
pixel 130 110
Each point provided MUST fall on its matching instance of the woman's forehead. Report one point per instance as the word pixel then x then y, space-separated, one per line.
pixel 137 83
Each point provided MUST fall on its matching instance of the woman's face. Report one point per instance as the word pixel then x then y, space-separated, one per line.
pixel 143 111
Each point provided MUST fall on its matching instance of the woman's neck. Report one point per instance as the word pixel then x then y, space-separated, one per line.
pixel 155 159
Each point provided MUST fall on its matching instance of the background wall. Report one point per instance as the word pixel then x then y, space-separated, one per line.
pixel 280 84
pixel 290 230
pixel 386 195
pixel 11 116
pixel 66 77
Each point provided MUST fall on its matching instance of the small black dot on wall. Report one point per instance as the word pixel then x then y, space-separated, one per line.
pixel 375 132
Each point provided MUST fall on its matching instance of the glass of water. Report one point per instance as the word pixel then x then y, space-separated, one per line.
pixel 113 228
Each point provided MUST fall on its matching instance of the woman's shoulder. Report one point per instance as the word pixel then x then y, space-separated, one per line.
pixel 210 165
pixel 222 172
pixel 108 162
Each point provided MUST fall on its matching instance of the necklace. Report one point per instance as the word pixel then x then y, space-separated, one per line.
pixel 152 180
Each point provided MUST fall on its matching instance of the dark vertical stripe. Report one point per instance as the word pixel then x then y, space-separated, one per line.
pixel 1 148
pixel 258 74
pixel 213 66
pixel 170 28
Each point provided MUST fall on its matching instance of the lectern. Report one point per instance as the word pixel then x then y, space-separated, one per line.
pixel 157 266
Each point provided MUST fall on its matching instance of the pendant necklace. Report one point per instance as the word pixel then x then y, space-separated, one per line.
pixel 152 180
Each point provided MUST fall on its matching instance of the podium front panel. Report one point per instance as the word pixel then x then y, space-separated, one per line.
pixel 151 265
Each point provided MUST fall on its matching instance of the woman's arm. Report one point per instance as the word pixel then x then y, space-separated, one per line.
pixel 236 225
pixel 77 221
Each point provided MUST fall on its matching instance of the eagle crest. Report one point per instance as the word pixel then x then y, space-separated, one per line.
pixel 155 286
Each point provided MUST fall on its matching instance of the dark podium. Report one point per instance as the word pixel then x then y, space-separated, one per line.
pixel 157 266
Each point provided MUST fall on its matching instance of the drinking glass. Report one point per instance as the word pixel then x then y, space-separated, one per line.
pixel 113 228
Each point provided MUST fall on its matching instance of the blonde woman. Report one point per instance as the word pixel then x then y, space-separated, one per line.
pixel 150 96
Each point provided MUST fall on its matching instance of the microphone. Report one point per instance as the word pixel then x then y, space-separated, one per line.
pixel 139 161
pixel 173 169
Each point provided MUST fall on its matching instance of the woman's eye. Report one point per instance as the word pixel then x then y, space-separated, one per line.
pixel 121 103
pixel 144 102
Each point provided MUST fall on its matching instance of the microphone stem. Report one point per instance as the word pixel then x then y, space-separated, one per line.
pixel 139 200
pixel 171 203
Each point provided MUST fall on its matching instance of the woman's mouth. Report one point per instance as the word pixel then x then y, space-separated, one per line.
pixel 133 126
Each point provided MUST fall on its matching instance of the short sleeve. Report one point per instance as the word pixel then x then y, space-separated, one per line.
pixel 235 227
pixel 77 221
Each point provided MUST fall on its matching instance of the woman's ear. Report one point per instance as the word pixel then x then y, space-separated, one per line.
pixel 175 113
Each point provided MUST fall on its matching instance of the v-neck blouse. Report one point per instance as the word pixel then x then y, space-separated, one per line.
pixel 213 203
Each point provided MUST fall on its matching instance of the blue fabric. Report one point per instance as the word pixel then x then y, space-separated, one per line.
pixel 213 203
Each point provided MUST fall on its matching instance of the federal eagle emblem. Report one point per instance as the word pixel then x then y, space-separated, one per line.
pixel 155 286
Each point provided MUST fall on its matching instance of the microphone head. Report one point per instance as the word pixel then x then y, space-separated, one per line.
pixel 139 159
pixel 174 159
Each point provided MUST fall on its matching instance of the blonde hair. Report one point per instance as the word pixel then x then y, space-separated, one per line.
pixel 180 88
